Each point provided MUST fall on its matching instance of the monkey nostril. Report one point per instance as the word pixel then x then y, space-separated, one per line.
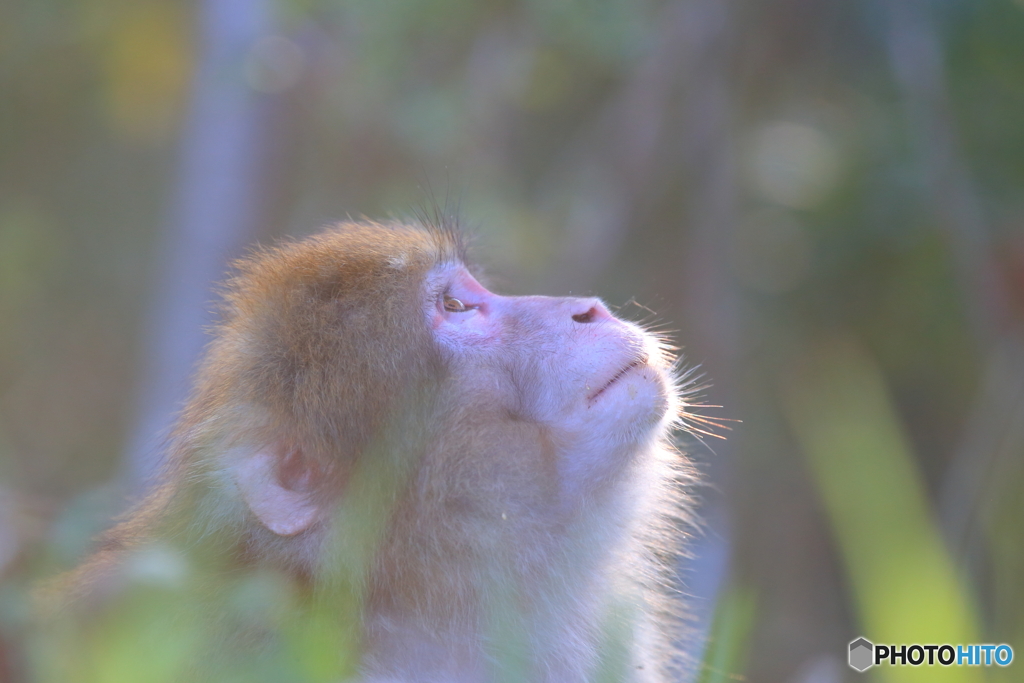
pixel 587 317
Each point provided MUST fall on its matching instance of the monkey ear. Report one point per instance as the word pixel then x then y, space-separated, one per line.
pixel 279 485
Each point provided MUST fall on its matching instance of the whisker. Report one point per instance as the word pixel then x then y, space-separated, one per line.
pixel 690 429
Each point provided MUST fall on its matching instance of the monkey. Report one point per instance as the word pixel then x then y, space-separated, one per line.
pixel 439 483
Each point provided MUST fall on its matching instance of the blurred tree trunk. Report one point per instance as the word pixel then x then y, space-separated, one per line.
pixel 214 214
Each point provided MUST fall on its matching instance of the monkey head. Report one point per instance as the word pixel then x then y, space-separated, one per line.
pixel 337 342
pixel 596 386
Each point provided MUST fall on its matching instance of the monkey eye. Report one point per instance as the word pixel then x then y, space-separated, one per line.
pixel 453 305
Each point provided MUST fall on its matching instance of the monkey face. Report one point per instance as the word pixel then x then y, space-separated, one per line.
pixel 365 341
pixel 566 363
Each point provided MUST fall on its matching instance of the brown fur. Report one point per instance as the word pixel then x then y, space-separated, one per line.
pixel 290 312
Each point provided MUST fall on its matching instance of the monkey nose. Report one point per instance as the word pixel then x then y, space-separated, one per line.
pixel 590 311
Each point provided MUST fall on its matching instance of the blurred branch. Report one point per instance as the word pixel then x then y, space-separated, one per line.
pixel 712 196
pixel 988 456
pixel 626 157
pixel 213 216
pixel 983 458
pixel 916 57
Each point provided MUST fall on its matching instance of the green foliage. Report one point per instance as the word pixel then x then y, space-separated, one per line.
pixel 729 638
pixel 904 583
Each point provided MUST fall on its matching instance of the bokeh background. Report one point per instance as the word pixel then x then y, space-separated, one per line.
pixel 823 201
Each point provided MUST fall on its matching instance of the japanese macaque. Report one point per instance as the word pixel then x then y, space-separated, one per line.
pixel 439 483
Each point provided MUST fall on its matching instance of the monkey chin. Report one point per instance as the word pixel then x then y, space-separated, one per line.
pixel 635 400
pixel 634 407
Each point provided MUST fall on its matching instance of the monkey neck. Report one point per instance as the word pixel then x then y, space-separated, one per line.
pixel 441 552
pixel 475 562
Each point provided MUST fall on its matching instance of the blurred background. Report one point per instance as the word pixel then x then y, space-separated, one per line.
pixel 822 200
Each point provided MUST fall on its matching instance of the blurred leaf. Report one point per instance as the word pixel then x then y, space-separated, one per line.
pixel 905 588
pixel 725 657
pixel 147 67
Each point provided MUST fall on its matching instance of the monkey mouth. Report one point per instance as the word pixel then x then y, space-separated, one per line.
pixel 640 362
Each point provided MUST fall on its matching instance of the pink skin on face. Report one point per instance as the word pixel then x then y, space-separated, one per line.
pixel 587 352
pixel 480 303
pixel 486 310
pixel 600 386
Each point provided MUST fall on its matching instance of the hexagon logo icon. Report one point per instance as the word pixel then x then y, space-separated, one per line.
pixel 862 654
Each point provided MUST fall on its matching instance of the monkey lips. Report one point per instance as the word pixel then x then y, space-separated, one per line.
pixel 638 364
